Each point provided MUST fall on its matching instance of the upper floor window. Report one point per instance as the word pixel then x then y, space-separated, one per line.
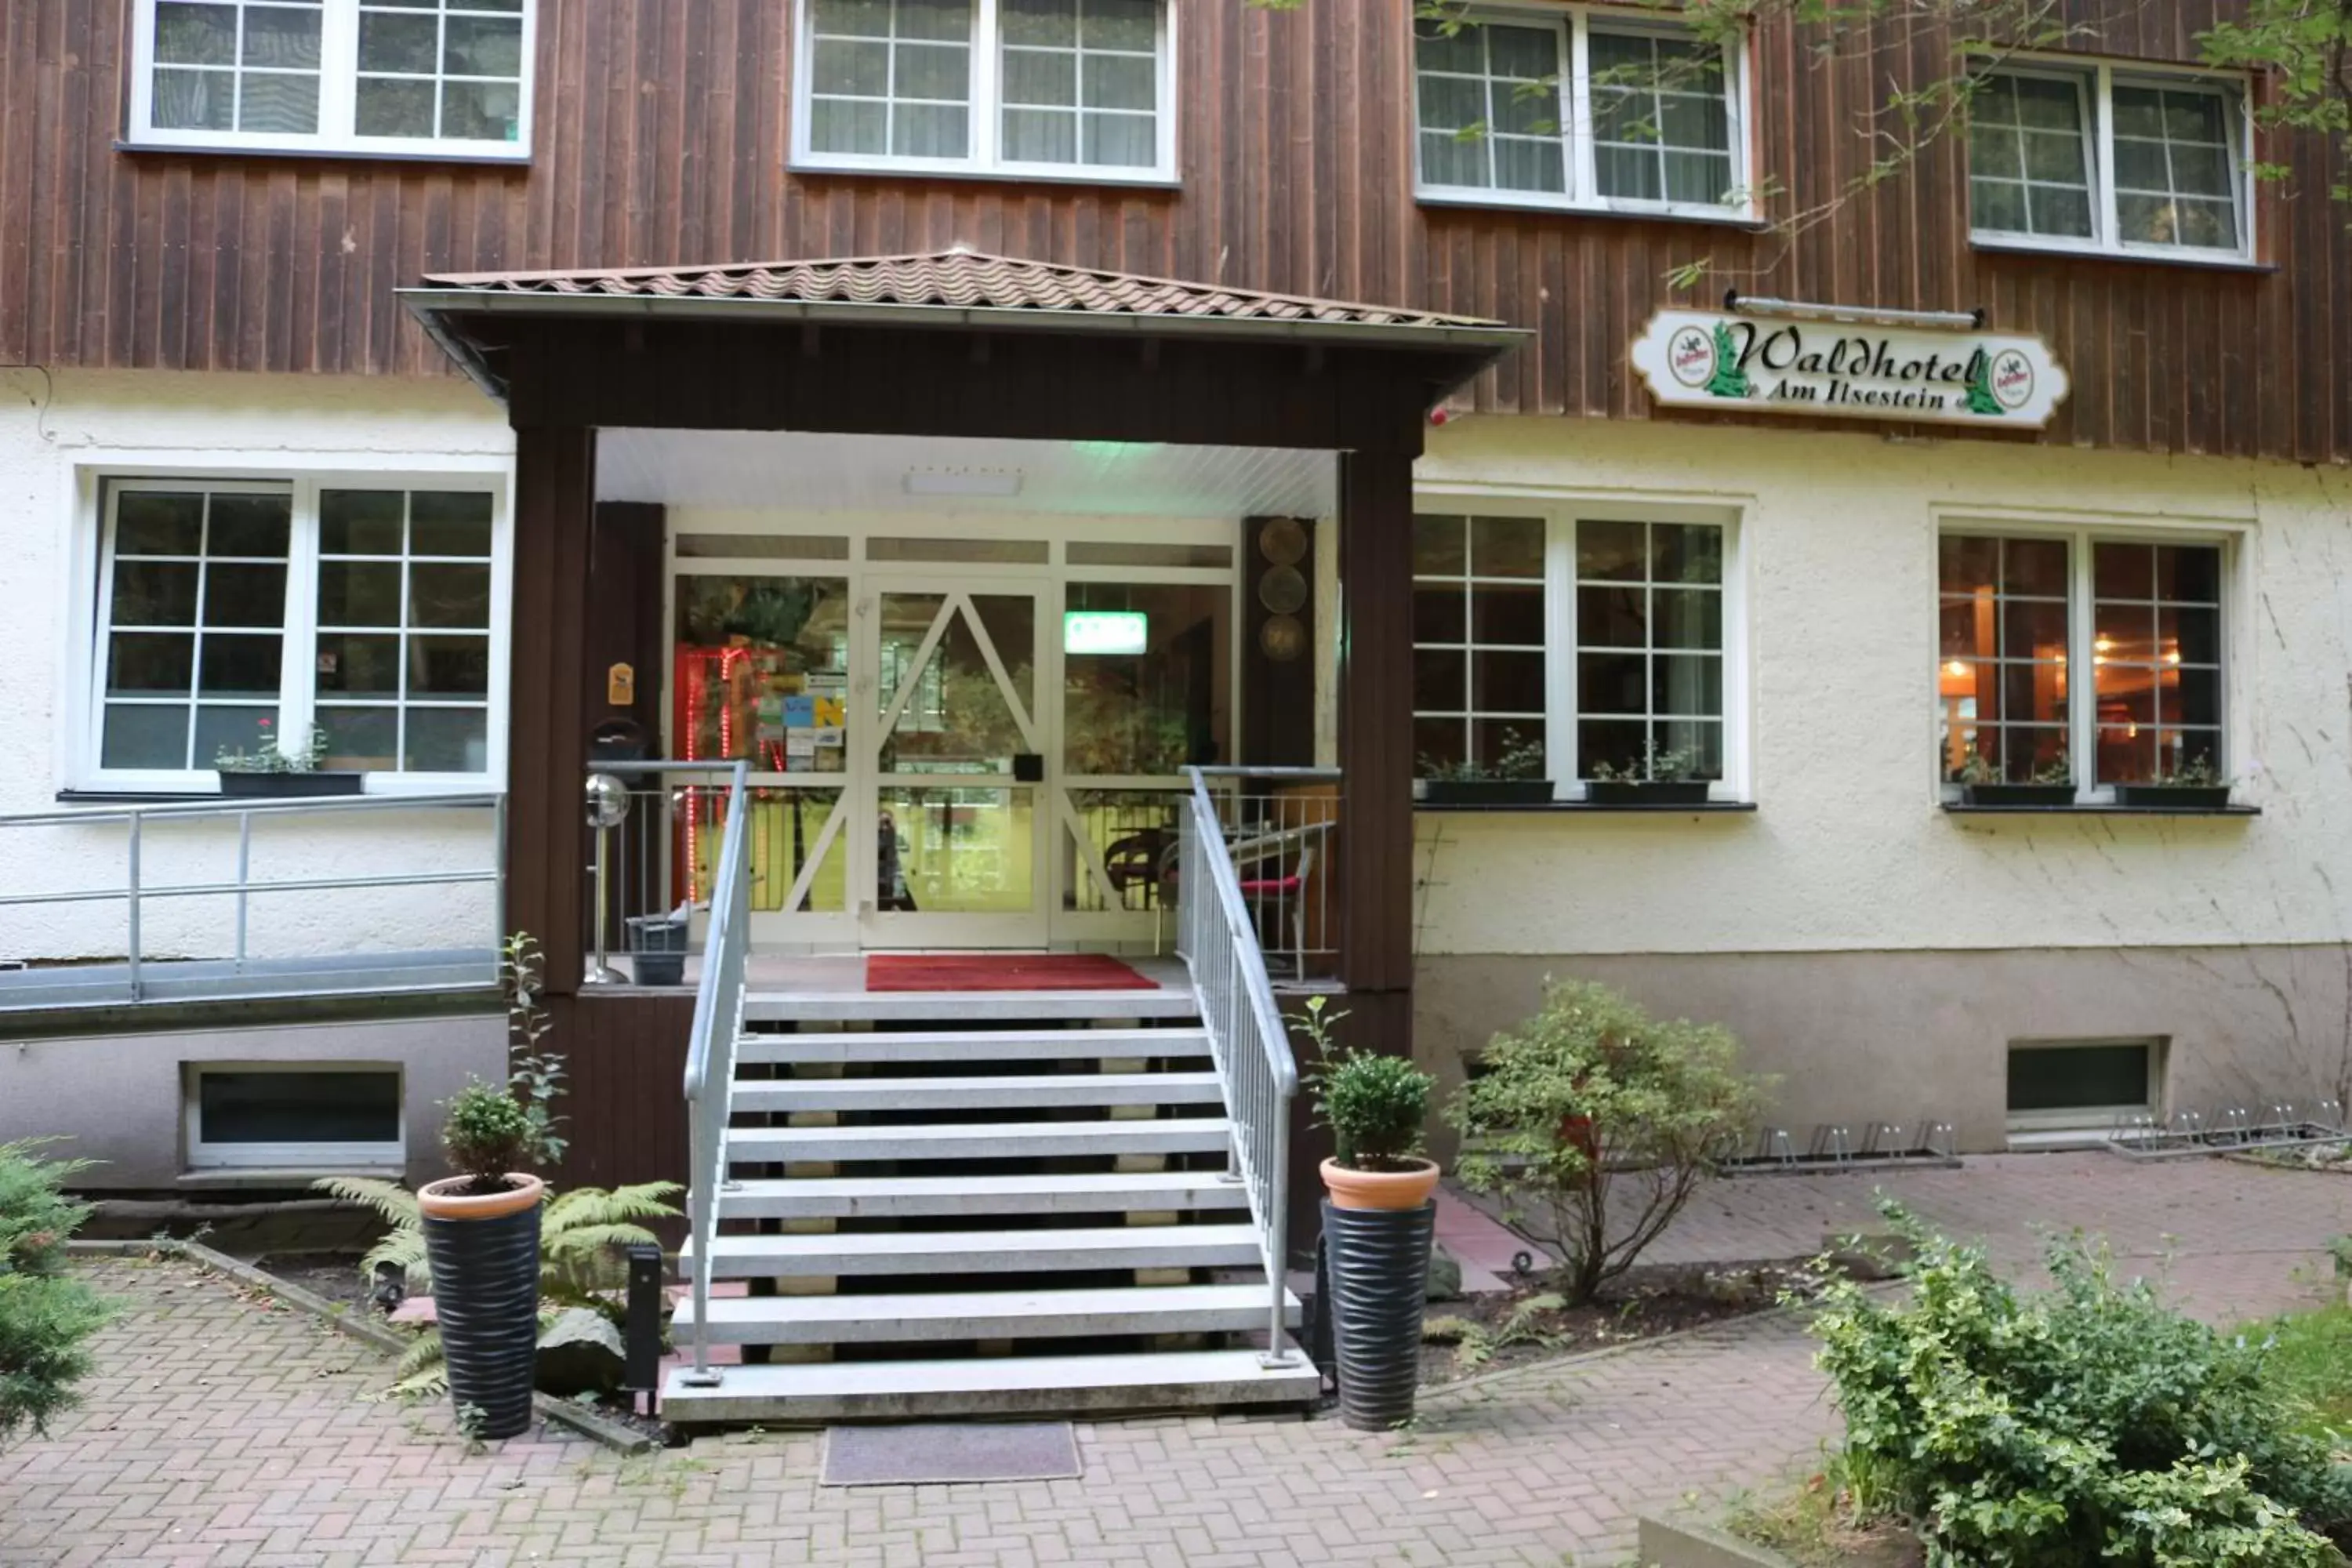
pixel 1078 89
pixel 435 78
pixel 2098 160
pixel 1577 109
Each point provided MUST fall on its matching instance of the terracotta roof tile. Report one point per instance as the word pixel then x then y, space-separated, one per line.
pixel 957 278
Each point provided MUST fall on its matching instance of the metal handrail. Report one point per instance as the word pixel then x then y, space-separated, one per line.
pixel 136 890
pixel 710 1057
pixel 1247 1038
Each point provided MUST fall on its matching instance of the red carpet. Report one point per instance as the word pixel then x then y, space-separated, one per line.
pixel 1001 972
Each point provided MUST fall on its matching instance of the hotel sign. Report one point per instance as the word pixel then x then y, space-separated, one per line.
pixel 1836 370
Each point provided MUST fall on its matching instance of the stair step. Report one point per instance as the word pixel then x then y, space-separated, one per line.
pixel 983 1315
pixel 969 1045
pixel 963 1006
pixel 999 1093
pixel 981 1140
pixel 900 1197
pixel 1005 1385
pixel 982 1251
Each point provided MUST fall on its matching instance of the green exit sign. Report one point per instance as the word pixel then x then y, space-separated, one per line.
pixel 1104 631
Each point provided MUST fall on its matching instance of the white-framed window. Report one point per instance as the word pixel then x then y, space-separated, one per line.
pixel 2022 610
pixel 2101 158
pixel 1079 90
pixel 1578 108
pixel 233 614
pixel 295 1116
pixel 1603 635
pixel 408 77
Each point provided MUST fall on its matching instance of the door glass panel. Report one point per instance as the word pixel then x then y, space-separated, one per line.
pixel 788 832
pixel 1120 852
pixel 1144 688
pixel 762 672
pixel 954 715
pixel 964 850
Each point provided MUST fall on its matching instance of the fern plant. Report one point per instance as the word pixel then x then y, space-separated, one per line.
pixel 580 1235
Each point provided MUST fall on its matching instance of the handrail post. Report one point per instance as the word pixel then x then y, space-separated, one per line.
pixel 134 918
pixel 243 875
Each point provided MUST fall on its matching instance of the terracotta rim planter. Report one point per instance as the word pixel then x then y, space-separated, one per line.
pixel 1380 1189
pixel 443 1200
pixel 484 1251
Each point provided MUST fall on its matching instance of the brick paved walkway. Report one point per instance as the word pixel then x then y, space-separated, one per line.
pixel 219 1431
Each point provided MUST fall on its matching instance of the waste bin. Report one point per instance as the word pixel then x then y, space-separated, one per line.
pixel 657 942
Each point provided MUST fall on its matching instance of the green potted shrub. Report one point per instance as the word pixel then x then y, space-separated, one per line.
pixel 1378 1221
pixel 2194 785
pixel 270 771
pixel 1981 783
pixel 1670 777
pixel 481 1237
pixel 1516 777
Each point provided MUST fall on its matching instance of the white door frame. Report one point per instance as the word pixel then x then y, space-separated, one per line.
pixel 785 928
pixel 878 710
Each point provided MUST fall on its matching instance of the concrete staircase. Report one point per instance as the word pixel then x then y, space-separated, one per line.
pixel 982 1204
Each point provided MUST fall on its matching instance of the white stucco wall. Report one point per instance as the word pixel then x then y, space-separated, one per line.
pixel 1848 850
pixel 59 428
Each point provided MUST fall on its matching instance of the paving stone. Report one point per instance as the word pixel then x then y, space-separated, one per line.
pixel 216 1431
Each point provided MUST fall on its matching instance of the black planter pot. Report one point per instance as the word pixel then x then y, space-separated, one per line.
pixel 1378 1260
pixel 2017 795
pixel 1646 792
pixel 1486 792
pixel 292 786
pixel 486 1295
pixel 2174 797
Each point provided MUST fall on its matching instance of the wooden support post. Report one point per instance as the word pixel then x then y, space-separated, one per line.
pixel 546 694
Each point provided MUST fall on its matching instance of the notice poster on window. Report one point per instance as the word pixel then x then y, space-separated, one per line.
pixel 1728 361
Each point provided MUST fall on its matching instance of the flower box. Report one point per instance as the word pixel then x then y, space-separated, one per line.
pixel 291 785
pixel 1645 792
pixel 1486 792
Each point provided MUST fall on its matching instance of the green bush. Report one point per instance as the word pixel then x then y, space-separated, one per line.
pixel 44 1313
pixel 487 1134
pixel 1595 1122
pixel 1376 1106
pixel 581 1237
pixel 2086 1424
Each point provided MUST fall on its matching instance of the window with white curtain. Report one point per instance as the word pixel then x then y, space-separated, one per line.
pixel 239 615
pixel 2097 158
pixel 1600 635
pixel 448 77
pixel 1071 89
pixel 1574 108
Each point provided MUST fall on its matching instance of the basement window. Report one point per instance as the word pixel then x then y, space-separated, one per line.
pixel 321 1116
pixel 2063 1084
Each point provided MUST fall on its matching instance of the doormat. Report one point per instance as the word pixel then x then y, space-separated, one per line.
pixel 959 1451
pixel 1001 972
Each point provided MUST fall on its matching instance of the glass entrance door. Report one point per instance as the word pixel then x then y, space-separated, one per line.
pixel 956 764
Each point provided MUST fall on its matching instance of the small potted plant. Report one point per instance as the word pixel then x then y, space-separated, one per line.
pixel 1378 1221
pixel 1670 777
pixel 481 1237
pixel 1981 783
pixel 1513 778
pixel 2193 786
pixel 271 770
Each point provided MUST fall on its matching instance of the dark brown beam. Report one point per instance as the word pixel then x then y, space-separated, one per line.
pixel 546 694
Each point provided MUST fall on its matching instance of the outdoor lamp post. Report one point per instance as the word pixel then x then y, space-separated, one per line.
pixel 607 800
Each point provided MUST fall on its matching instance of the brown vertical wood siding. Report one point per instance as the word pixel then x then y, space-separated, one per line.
pixel 661 139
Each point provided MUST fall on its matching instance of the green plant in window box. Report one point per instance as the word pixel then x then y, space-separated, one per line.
pixel 1668 777
pixel 1982 783
pixel 270 769
pixel 2196 785
pixel 1516 776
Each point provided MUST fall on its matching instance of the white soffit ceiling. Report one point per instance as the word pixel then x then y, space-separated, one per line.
pixel 794 471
